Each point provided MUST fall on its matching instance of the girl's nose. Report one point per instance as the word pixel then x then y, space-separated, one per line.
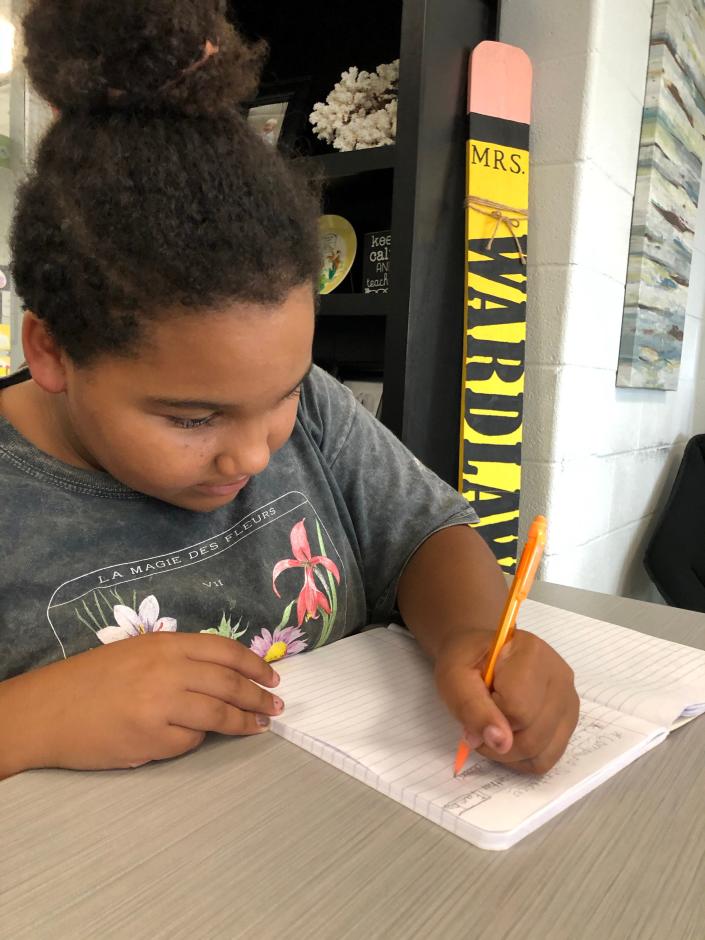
pixel 246 456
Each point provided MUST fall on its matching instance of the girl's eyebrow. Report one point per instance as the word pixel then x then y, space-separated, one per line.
pixel 194 404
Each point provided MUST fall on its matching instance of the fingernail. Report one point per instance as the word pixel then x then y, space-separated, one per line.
pixel 493 737
pixel 263 721
pixel 473 740
pixel 278 704
pixel 276 678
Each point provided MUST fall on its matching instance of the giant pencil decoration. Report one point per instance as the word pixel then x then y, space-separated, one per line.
pixel 499 113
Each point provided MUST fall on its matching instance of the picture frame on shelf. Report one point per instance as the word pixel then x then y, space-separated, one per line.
pixel 368 393
pixel 279 114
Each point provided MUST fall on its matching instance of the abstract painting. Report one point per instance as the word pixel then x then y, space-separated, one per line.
pixel 671 152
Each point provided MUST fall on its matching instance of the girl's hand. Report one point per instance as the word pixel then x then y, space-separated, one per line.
pixel 528 718
pixel 134 701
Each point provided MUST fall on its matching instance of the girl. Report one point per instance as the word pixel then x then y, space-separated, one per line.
pixel 187 499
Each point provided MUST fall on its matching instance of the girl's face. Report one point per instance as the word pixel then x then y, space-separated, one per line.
pixel 202 407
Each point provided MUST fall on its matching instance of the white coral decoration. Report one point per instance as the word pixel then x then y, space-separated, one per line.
pixel 361 111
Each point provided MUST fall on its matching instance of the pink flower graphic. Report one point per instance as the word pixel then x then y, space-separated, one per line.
pixel 283 642
pixel 310 600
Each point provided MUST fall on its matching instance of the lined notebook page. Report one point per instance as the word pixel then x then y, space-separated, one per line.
pixel 655 679
pixel 368 705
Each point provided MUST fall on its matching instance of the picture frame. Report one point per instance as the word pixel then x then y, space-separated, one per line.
pixel 279 114
pixel 666 198
pixel 368 393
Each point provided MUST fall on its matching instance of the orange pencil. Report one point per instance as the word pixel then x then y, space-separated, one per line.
pixel 521 585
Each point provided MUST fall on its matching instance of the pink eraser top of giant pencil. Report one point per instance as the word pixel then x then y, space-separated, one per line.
pixel 499 82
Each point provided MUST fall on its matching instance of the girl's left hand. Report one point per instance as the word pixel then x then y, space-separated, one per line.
pixel 528 718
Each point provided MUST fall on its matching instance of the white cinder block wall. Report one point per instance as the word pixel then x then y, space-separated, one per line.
pixel 598 460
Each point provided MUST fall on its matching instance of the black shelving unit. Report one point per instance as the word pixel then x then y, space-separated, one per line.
pixel 354 305
pixel 412 336
pixel 340 165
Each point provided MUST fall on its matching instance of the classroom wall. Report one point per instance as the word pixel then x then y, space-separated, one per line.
pixel 598 460
pixel 25 116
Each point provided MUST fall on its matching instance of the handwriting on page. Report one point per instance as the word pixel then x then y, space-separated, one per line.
pixel 590 737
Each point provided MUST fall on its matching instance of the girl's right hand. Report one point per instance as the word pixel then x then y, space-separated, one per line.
pixel 134 701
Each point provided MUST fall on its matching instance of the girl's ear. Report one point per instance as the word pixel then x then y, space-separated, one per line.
pixel 45 359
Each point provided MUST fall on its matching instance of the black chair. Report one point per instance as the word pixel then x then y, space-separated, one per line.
pixel 675 555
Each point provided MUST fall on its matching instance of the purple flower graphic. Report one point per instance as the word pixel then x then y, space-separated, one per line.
pixel 285 641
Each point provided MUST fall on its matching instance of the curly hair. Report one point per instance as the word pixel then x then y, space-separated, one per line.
pixel 150 193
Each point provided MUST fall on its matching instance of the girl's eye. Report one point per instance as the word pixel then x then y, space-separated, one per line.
pixel 295 394
pixel 189 424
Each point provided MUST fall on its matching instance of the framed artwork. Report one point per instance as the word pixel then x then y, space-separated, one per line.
pixel 671 153
pixel 367 393
pixel 278 114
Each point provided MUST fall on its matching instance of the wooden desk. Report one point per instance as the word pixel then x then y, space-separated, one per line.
pixel 257 839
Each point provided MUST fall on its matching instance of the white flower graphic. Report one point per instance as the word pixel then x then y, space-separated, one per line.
pixel 135 623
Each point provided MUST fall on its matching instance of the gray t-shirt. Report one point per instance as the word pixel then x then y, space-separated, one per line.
pixel 310 551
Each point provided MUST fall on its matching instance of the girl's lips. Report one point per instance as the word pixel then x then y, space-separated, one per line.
pixel 223 489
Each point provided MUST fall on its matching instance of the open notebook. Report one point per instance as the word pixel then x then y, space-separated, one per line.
pixel 367 704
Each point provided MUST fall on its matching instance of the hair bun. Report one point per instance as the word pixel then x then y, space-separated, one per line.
pixel 183 55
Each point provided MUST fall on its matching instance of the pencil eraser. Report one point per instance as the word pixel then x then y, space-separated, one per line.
pixel 499 82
